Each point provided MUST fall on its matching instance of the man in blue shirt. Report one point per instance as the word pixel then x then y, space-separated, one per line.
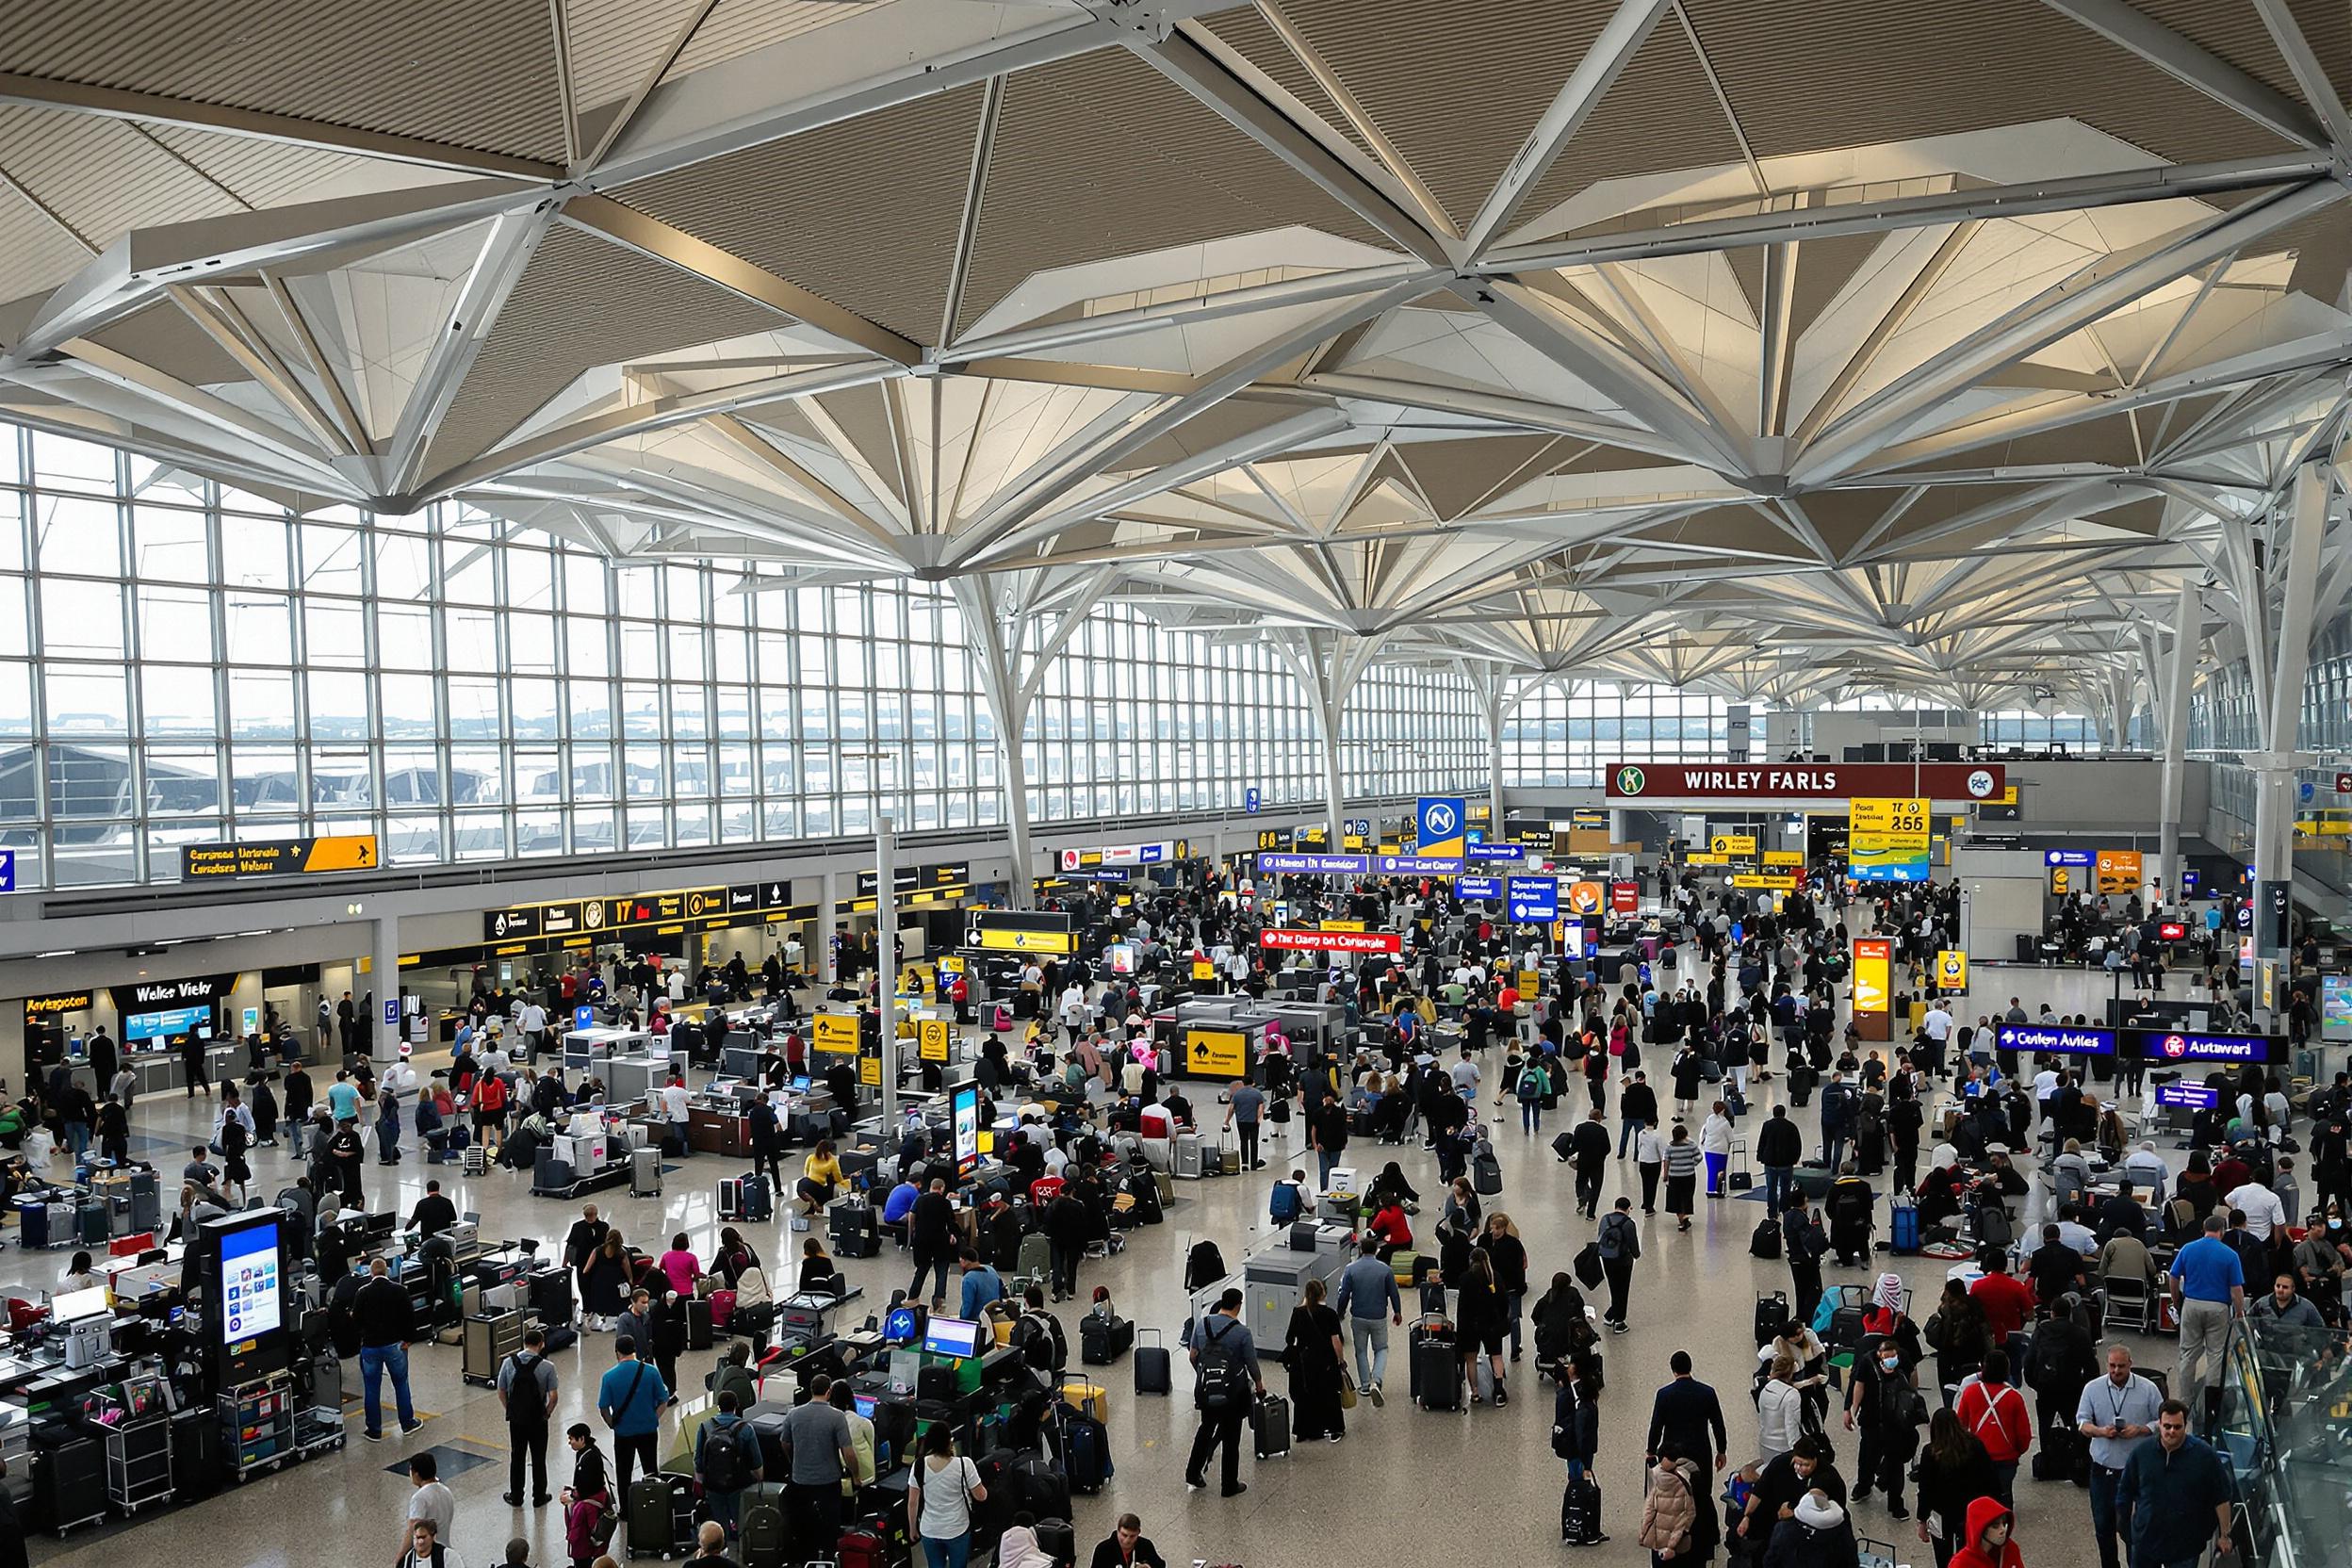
pixel 630 1398
pixel 2177 1492
pixel 1370 1301
pixel 2118 1412
pixel 898 1206
pixel 982 1286
pixel 2208 1290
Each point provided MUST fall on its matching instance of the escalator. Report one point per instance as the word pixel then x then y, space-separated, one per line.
pixel 2284 1428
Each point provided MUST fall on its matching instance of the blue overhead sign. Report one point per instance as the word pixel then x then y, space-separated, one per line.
pixel 1439 823
pixel 1534 898
pixel 2075 858
pixel 1249 798
pixel 2174 1045
pixel 1418 865
pixel 1479 886
pixel 7 870
pixel 1340 864
pixel 1514 853
pixel 2193 1097
pixel 2057 1039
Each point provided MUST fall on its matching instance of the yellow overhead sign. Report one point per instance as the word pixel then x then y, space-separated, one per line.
pixel 1768 881
pixel 932 1038
pixel 1697 858
pixel 1216 1053
pixel 1003 941
pixel 1952 969
pixel 1733 844
pixel 836 1032
pixel 279 857
pixel 1784 857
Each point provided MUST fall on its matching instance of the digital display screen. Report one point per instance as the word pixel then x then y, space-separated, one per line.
pixel 2055 1038
pixel 251 1304
pixel 902 1326
pixel 71 1306
pixel 2194 1097
pixel 865 1403
pixel 967 1116
pixel 2172 1045
pixel 175 1020
pixel 953 1336
pixel 2171 931
pixel 2335 1007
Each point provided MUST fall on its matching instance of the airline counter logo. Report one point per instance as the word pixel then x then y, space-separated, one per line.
pixel 1631 781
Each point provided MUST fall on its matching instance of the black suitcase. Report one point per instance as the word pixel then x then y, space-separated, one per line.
pixel 1436 1368
pixel 1581 1513
pixel 1270 1427
pixel 1154 1372
pixel 855 1229
pixel 698 1333
pixel 551 1296
pixel 196 1452
pixel 1057 1540
pixel 1772 1316
pixel 90 1220
pixel 1104 1340
pixel 70 1484
pixel 654 1502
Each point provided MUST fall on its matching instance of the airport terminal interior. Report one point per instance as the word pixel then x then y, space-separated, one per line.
pixel 1558 698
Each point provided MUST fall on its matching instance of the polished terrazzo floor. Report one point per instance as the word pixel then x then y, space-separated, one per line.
pixel 1405 1485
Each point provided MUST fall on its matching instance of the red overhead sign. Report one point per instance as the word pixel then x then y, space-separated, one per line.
pixel 2343 783
pixel 1331 941
pixel 1625 898
pixel 1669 781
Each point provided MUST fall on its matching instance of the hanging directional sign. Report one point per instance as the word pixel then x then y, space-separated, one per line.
pixel 1478 887
pixel 1533 898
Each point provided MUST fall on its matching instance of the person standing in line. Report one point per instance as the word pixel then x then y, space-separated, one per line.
pixel 2178 1493
pixel 1226 1380
pixel 1318 1359
pixel 387 1324
pixel 1715 1143
pixel 1620 1241
pixel 1883 1401
pixel 1779 1149
pixel 939 1500
pixel 1997 1415
pixel 1682 1176
pixel 1509 1256
pixel 1952 1472
pixel 1479 1327
pixel 1245 1108
pixel 2208 1290
pixel 931 1235
pixel 2118 1412
pixel 1804 1242
pixel 818 1448
pixel 1686 1418
pixel 527 1391
pixel 630 1399
pixel 1370 1301
pixel 727 1461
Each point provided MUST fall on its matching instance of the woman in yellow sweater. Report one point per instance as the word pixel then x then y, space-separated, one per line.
pixel 820 1175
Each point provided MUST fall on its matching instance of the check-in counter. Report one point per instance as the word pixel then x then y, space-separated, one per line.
pixel 586 1050
pixel 718 1130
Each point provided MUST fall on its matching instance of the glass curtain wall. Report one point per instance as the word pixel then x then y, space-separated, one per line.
pixel 1565 736
pixel 183 662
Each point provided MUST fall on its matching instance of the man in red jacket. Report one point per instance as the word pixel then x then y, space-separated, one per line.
pixel 1997 1415
pixel 2007 1301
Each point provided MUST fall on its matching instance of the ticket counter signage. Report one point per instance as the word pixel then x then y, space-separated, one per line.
pixel 1887 839
pixel 1473 887
pixel 1775 882
pixel 1667 783
pixel 1216 1053
pixel 834 1033
pixel 1784 857
pixel 1294 940
pixel 2054 1039
pixel 1873 999
pixel 1312 865
pixel 2118 870
pixel 1022 931
pixel 1625 898
pixel 931 1038
pixel 1202 970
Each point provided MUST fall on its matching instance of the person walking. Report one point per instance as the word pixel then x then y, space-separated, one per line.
pixel 1226 1380
pixel 1804 1243
pixel 1318 1359
pixel 527 1391
pixel 1952 1473
pixel 2208 1290
pixel 630 1398
pixel 1244 1109
pixel 1986 1539
pixel 1779 1149
pixel 1715 1143
pixel 726 1461
pixel 1636 1109
pixel 1620 1241
pixel 1370 1301
pixel 1576 1439
pixel 1649 1159
pixel 1678 1525
pixel 2118 1412
pixel 386 1323
pixel 1479 1327
pixel 1682 1175
pixel 2177 1494
pixel 1589 1145
pixel 939 1500
pixel 1996 1414
pixel 1686 1418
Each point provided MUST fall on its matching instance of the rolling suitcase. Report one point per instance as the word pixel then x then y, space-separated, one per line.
pixel 1435 1366
pixel 854 1230
pixel 1185 1161
pixel 644 1173
pixel 759 1198
pixel 32 1215
pixel 146 1202
pixel 1090 1399
pixel 1486 1173
pixel 698 1326
pixel 1581 1513
pixel 731 1196
pixel 1772 1316
pixel 91 1216
pixel 652 1518
pixel 1036 1257
pixel 1903 1231
pixel 1104 1340
pixel 1270 1427
pixel 1086 1454
pixel 863 1548
pixel 1154 1373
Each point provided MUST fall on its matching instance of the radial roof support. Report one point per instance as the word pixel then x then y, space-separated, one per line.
pixel 2179 674
pixel 2174 55
pixel 1328 664
pixel 1001 612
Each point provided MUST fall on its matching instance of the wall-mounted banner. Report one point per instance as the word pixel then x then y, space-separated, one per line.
pixel 1022 931
pixel 1668 782
pixel 1886 840
pixel 1873 956
pixel 1784 857
pixel 907 879
pixel 1478 887
pixel 1514 853
pixel 1625 898
pixel 2058 1039
pixel 1336 865
pixel 2172 1045
pixel 1291 940
pixel 1439 823
pixel 1418 865
pixel 1115 855
pixel 1776 882
pixel 145 996
pixel 931 1038
pixel 1586 898
pixel 56 1005
pixel 1216 1053
pixel 2118 870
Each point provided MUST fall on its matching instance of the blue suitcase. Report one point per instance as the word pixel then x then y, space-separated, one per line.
pixel 32 1215
pixel 1903 1233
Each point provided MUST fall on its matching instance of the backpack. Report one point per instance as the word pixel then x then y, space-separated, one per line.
pixel 1618 1238
pixel 1765 1241
pixel 723 1464
pixel 1223 1381
pixel 1530 1085
pixel 1041 1343
pixel 1283 1203
pixel 1204 1265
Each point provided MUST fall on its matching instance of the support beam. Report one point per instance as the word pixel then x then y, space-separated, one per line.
pixel 1621 37
pixel 1360 119
pixel 152 109
pixel 2184 61
pixel 2310 76
pixel 506 252
pixel 2298 532
pixel 2180 676
pixel 1327 665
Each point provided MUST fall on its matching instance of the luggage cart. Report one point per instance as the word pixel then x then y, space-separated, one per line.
pixel 138 1463
pixel 257 1426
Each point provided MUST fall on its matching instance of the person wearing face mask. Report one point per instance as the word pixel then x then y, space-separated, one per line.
pixel 1883 1402
pixel 2320 1260
pixel 1986 1542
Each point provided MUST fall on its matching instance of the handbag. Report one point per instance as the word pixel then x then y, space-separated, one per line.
pixel 1347 1389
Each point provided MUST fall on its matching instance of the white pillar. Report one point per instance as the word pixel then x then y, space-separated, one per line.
pixel 385 986
pixel 886 956
pixel 828 966
pixel 2294 562
pixel 1016 778
pixel 2188 635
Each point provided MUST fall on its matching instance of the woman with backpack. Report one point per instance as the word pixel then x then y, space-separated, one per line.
pixel 1678 1526
pixel 1562 1331
pixel 1530 1089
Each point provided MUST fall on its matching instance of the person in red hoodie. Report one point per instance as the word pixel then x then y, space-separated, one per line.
pixel 2007 1300
pixel 1986 1543
pixel 1996 1414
